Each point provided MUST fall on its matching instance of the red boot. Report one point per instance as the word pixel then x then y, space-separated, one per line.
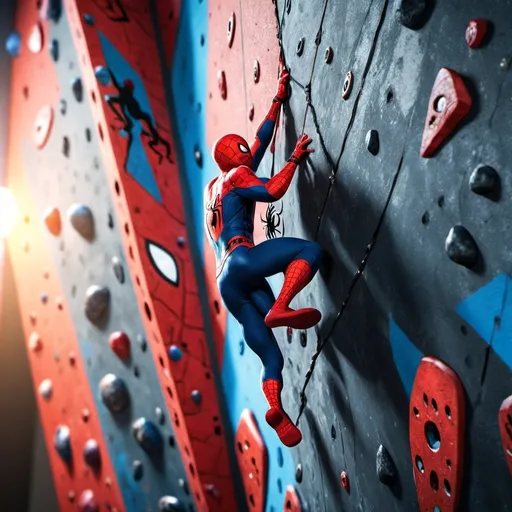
pixel 297 276
pixel 276 417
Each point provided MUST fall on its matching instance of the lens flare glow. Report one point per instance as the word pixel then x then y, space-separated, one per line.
pixel 9 212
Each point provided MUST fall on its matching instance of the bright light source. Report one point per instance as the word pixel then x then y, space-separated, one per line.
pixel 9 213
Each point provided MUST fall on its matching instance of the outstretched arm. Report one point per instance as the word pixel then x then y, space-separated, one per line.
pixel 266 128
pixel 113 78
pixel 249 186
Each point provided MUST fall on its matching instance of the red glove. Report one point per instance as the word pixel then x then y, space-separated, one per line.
pixel 282 86
pixel 301 150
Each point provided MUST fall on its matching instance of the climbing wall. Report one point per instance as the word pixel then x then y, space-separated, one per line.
pixel 407 192
pixel 105 284
pixel 148 395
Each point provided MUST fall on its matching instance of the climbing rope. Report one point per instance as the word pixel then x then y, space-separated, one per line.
pixel 321 341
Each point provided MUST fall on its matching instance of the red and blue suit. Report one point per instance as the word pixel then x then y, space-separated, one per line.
pixel 242 267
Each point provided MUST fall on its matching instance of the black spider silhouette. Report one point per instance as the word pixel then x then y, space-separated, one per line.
pixel 125 106
pixel 272 221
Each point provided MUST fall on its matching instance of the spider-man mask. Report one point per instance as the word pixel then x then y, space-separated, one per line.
pixel 231 151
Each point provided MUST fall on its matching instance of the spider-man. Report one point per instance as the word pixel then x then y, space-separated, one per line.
pixel 242 267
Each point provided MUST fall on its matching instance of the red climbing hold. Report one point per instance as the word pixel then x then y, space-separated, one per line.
pixel 120 344
pixel 291 500
pixel 449 103
pixel 43 126
pixel 231 29
pixel 505 421
pixel 476 32
pixel 252 458
pixel 221 82
pixel 436 435
pixel 53 221
pixel 344 481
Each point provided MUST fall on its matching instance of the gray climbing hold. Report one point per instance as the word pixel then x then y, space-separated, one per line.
pixel 137 470
pixel 77 88
pixel 118 269
pixel 300 47
pixel 92 455
pixel 114 393
pixel 63 107
pixel 160 416
pixel 485 181
pixel 102 75
pixel 372 142
pixel 303 339
pixel 54 50
pixel 62 442
pixel 97 301
pixel 181 241
pixel 183 484
pixel 298 473
pixel 170 504
pixel 147 435
pixel 46 389
pixel 198 156
pixel 412 13
pixel 386 469
pixel 82 220
pixel 53 10
pixel 66 146
pixel 461 247
pixel 143 343
pixel 333 432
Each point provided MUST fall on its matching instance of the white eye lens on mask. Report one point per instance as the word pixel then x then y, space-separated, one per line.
pixel 243 149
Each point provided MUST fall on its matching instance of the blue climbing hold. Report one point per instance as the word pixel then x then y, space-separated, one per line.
pixel 280 460
pixel 13 44
pixel 44 298
pixel 241 347
pixel 147 435
pixel 175 353
pixel 62 442
pixel 181 241
pixel 89 19
pixel 102 75
pixel 196 396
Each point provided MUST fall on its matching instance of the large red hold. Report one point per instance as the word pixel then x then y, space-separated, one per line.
pixel 436 435
pixel 505 420
pixel 449 103
pixel 252 458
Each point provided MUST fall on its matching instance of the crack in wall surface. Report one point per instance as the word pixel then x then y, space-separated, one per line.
pixel 353 113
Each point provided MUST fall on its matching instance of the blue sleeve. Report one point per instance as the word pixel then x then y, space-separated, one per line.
pixel 265 136
pixel 256 193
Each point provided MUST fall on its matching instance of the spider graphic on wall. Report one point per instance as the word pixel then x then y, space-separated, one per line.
pixel 272 222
